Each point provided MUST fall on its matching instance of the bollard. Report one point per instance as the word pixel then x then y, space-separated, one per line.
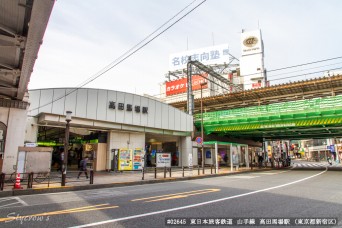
pixel 2 181
pixel 143 173
pixel 211 169
pixel 91 176
pixel 183 171
pixel 30 180
pixel 170 171
pixel 164 171
pixel 155 172
pixel 198 170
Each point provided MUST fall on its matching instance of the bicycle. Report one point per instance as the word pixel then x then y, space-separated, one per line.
pixel 37 177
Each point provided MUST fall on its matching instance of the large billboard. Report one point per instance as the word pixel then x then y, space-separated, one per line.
pixel 209 55
pixel 180 85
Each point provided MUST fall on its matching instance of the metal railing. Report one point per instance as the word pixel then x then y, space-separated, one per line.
pixel 173 171
pixel 41 179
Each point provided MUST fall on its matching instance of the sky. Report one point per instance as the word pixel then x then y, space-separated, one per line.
pixel 85 36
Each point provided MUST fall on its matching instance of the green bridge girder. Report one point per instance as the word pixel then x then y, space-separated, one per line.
pixel 319 117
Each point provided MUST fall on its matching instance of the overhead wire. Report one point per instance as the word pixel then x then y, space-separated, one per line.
pixel 130 52
pixel 277 79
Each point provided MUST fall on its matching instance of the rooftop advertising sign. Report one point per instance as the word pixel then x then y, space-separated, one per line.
pixel 251 42
pixel 210 55
pixel 180 85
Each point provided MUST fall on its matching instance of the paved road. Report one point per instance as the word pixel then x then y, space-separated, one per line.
pixel 275 196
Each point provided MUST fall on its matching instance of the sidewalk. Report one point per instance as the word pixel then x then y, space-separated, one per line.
pixel 116 179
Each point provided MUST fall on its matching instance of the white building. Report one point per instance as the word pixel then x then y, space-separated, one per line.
pixel 123 120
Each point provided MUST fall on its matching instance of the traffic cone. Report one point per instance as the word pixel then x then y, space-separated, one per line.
pixel 17 182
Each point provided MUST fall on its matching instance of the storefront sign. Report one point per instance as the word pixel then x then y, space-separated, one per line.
pixel 256 85
pixel 31 144
pixel 163 160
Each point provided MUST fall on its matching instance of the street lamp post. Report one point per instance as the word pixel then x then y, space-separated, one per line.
pixel 202 135
pixel 66 146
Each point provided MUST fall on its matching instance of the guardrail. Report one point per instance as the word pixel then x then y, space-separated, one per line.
pixel 176 171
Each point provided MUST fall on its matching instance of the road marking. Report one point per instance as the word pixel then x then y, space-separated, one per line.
pixel 177 195
pixel 21 201
pixel 67 211
pixel 196 205
pixel 2 206
pixel 9 203
pixel 241 177
pixel 270 172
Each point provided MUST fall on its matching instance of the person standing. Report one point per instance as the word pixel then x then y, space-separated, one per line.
pixel 83 167
pixel 60 160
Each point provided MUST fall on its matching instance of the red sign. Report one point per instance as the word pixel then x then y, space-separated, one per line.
pixel 180 85
pixel 199 140
pixel 256 85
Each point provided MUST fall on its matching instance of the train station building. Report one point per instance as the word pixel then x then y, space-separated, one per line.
pixel 105 122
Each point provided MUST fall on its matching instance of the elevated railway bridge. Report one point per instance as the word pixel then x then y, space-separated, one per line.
pixel 299 110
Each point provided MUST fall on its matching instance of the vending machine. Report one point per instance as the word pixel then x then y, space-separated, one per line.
pixel 129 159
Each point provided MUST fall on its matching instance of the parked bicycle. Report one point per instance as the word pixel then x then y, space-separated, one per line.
pixel 37 177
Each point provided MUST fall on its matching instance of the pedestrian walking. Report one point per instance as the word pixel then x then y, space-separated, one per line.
pixel 260 160
pixel 83 167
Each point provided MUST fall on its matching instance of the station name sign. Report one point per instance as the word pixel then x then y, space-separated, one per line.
pixel 129 107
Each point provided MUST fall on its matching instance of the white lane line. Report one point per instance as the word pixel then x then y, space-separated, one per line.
pixel 194 205
pixel 2 206
pixel 6 199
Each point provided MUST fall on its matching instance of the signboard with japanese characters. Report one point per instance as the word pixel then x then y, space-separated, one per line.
pixel 163 160
pixel 180 85
pixel 209 55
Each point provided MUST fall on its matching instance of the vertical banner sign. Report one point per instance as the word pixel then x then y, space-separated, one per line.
pixel 163 160
pixel 138 156
pixel 190 160
pixel 125 159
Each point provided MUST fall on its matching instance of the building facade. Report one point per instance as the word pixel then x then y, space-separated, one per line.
pixel 118 120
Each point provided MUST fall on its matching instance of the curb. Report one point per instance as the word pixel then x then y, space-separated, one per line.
pixel 118 184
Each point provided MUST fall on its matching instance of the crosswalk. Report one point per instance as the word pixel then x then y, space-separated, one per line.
pixel 316 165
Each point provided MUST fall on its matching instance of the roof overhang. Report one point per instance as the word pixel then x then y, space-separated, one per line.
pixel 22 27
